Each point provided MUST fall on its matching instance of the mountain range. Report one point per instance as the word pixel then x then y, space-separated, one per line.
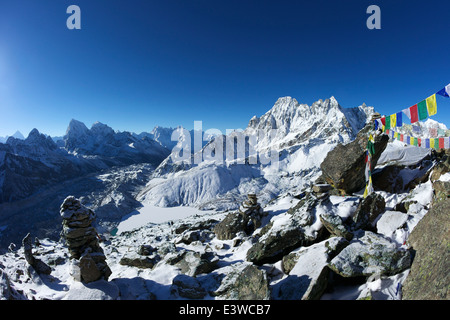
pixel 303 238
pixel 118 172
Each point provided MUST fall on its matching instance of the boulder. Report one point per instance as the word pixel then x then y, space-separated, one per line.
pixel 187 287
pixel 193 263
pixel 38 265
pixel 429 276
pixel 344 166
pixel 252 284
pixel 6 292
pixel 229 227
pixel 288 231
pixel 308 271
pixel 369 253
pixel 139 261
pixel 335 225
pixel 390 221
pixel 368 211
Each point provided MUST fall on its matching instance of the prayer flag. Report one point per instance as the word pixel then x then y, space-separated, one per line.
pixel 431 143
pixel 371 145
pixel 388 123
pixel 401 137
pixel 441 143
pixel 414 113
pixel 427 143
pixel 447 142
pixel 408 138
pixel 445 92
pixel 383 121
pixel 422 109
pixel 431 105
pixel 416 142
pixel 407 112
pixel 393 120
pixel 436 143
pixel 419 142
pixel 433 132
pixel 399 119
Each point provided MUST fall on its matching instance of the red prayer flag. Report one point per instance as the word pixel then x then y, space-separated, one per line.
pixel 383 121
pixel 401 138
pixel 414 113
pixel 441 143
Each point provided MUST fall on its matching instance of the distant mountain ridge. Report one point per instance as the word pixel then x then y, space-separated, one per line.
pixel 301 135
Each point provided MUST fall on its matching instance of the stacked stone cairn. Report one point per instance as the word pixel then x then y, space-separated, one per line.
pixel 250 209
pixel 88 259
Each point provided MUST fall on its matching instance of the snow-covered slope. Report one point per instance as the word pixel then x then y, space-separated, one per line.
pixel 297 135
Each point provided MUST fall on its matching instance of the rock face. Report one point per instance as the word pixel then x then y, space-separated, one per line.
pixel 343 167
pixel 429 277
pixel 81 239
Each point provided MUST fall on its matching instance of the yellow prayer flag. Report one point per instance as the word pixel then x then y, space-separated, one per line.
pixel 393 120
pixel 431 105
pixel 431 143
pixel 411 141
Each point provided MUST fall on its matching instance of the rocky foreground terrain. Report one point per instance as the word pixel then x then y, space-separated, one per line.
pixel 326 242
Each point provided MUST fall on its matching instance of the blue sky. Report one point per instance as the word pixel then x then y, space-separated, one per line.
pixel 140 63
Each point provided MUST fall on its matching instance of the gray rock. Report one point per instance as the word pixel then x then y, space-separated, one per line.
pixel 193 263
pixel 39 266
pixel 429 277
pixel 143 262
pixel 296 230
pixel 308 270
pixel 229 227
pixel 369 253
pixel 187 287
pixel 335 225
pixel 88 269
pixel 368 211
pixel 344 166
pixel 252 284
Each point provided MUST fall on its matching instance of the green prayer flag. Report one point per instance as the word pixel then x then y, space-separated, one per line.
pixel 388 122
pixel 436 143
pixel 422 109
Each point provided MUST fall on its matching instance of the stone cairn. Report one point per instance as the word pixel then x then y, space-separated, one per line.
pixel 88 259
pixel 250 209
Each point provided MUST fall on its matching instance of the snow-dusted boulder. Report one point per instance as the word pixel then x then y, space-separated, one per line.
pixel 344 166
pixel 308 271
pixel 300 225
pixel 370 253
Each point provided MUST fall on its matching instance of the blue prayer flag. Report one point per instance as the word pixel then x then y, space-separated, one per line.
pixel 399 119
pixel 445 92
